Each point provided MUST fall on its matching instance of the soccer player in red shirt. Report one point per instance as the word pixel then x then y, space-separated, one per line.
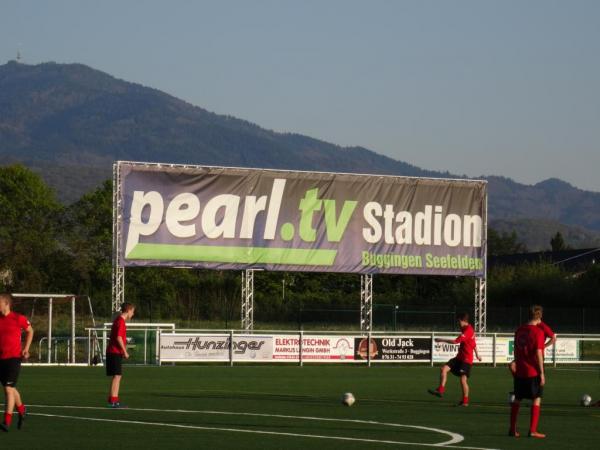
pixel 116 351
pixel 461 364
pixel 11 327
pixel 549 339
pixel 529 379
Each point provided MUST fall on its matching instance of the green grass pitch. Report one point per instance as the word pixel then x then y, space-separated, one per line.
pixel 277 407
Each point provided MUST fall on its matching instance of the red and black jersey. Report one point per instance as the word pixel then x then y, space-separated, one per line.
pixel 467 344
pixel 548 333
pixel 528 340
pixel 118 329
pixel 11 328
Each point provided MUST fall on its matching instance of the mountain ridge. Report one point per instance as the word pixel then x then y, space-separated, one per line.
pixel 70 121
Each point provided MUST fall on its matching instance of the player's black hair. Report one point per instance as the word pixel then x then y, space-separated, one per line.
pixel 126 307
pixel 464 316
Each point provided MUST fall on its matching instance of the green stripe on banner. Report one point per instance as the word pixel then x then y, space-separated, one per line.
pixel 239 255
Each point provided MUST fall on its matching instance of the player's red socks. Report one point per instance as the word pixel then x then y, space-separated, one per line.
pixel 514 413
pixel 21 409
pixel 7 419
pixel 535 418
pixel 113 399
pixel 465 400
pixel 441 389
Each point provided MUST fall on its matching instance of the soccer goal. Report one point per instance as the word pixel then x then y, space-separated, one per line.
pixel 143 342
pixel 59 321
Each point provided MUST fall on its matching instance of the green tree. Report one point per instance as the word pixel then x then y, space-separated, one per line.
pixel 557 243
pixel 504 243
pixel 87 234
pixel 28 226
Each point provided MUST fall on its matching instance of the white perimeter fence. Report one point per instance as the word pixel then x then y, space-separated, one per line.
pixel 163 344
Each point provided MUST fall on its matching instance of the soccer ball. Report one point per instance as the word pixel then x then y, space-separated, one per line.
pixel 348 399
pixel 511 398
pixel 586 400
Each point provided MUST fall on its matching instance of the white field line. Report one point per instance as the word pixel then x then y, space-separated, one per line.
pixel 455 437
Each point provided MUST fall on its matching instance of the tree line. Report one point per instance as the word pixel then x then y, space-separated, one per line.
pixel 46 246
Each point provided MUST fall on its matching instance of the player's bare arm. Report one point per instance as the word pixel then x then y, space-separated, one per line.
pixel 123 347
pixel 540 358
pixel 28 340
pixel 550 342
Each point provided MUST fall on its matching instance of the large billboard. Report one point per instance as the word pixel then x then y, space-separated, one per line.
pixel 231 218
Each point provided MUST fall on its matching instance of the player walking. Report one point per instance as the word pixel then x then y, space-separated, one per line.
pixel 11 327
pixel 461 364
pixel 116 351
pixel 529 377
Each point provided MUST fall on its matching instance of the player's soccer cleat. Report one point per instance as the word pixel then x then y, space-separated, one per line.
pixel 461 403
pixel 515 433
pixel 435 392
pixel 535 434
pixel 117 405
pixel 4 427
pixel 21 420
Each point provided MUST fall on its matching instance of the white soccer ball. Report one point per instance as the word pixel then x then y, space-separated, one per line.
pixel 586 400
pixel 348 399
pixel 511 398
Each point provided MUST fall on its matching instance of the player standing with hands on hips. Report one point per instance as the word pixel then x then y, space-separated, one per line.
pixel 529 379
pixel 461 364
pixel 11 327
pixel 116 351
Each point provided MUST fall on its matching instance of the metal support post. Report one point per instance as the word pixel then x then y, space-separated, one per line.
pixel 49 331
pixel 118 271
pixel 248 300
pixel 366 302
pixel 231 348
pixel 72 330
pixel 480 308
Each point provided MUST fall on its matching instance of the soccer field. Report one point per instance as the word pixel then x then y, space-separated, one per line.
pixel 276 407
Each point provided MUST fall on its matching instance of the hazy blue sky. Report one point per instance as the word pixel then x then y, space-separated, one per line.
pixel 475 87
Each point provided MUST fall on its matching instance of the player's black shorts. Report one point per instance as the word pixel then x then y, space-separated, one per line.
pixel 528 388
pixel 114 364
pixel 9 371
pixel 459 368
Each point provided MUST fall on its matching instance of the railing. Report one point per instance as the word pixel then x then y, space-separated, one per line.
pixel 276 346
pixel 156 346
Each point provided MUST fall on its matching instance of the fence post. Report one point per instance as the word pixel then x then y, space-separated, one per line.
pixel 158 347
pixel 301 337
pixel 494 349
pixel 554 351
pixel 369 349
pixel 432 346
pixel 231 348
pixel 145 346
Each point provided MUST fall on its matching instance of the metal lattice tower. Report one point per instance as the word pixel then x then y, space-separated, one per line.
pixel 248 299
pixel 480 305
pixel 118 271
pixel 366 302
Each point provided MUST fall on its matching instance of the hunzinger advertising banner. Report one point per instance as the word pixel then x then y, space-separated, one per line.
pixel 226 218
pixel 194 347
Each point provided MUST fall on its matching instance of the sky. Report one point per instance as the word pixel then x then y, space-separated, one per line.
pixel 482 87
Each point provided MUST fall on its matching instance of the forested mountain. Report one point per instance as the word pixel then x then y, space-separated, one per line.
pixel 69 122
